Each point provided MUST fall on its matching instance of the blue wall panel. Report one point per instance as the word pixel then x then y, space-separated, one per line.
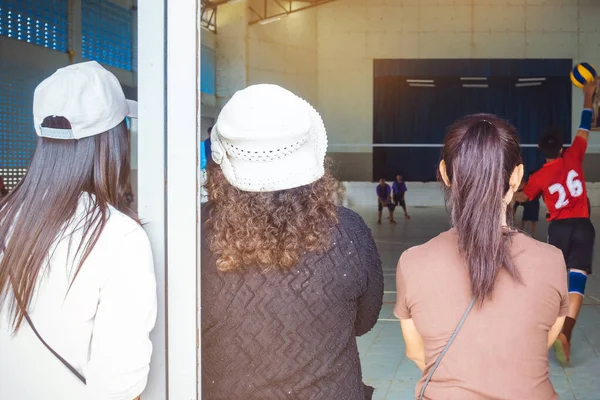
pixel 107 33
pixel 17 136
pixel 41 22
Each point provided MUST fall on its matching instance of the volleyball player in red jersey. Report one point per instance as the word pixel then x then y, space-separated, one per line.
pixel 561 182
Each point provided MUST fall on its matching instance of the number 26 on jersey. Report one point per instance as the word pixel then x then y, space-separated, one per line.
pixel 574 186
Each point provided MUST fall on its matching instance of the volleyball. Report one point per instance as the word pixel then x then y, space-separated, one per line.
pixel 582 73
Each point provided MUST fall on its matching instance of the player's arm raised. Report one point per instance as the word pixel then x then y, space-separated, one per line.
pixel 587 113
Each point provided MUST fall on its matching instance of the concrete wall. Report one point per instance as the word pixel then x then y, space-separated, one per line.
pixel 352 33
pixel 231 50
pixel 285 53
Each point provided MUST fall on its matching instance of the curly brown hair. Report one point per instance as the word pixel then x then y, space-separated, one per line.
pixel 269 229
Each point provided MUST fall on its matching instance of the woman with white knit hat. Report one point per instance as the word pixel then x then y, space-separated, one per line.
pixel 289 279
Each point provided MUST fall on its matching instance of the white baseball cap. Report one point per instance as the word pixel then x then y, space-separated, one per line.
pixel 87 95
pixel 268 139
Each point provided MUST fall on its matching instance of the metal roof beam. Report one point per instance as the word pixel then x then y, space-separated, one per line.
pixel 209 11
pixel 286 12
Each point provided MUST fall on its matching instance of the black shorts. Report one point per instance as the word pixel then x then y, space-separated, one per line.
pixel 531 211
pixel 399 201
pixel 390 206
pixel 575 238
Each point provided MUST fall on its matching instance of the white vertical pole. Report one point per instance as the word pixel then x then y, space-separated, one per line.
pixel 151 172
pixel 182 194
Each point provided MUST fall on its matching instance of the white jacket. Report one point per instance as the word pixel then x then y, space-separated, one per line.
pixel 100 326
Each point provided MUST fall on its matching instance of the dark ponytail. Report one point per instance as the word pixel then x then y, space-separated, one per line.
pixel 481 152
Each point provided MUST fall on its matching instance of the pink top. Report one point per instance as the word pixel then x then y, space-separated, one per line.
pixel 501 351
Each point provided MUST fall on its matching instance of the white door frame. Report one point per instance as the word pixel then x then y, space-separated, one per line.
pixel 168 94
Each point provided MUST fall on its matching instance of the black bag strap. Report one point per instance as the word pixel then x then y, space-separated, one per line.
pixel 62 360
pixel 443 353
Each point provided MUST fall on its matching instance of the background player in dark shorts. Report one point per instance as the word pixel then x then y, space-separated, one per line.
pixel 561 181
pixel 575 238
pixel 399 189
pixel 516 204
pixel 531 214
pixel 531 211
pixel 384 199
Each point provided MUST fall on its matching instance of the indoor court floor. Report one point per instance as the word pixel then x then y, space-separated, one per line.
pixel 384 363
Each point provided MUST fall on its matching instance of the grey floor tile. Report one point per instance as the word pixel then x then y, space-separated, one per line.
pixel 585 387
pixel 388 342
pixel 404 382
pixel 389 285
pixel 387 311
pixel 381 366
pixel 391 329
pixel 407 393
pixel 407 371
pixel 562 386
pixel 366 341
pixel 389 298
pixel 381 387
pixel 555 368
pixel 588 325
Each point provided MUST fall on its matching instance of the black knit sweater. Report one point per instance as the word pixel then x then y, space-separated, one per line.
pixel 291 334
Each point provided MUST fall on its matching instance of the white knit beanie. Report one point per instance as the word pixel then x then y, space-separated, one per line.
pixel 267 139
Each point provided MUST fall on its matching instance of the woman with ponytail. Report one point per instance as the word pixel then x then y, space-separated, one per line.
pixel 516 285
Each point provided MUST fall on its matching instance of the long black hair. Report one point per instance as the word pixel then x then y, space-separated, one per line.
pixel 481 152
pixel 41 207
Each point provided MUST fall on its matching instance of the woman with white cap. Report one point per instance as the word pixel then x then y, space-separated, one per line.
pixel 289 279
pixel 77 285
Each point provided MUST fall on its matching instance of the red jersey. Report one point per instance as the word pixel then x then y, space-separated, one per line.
pixel 562 184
